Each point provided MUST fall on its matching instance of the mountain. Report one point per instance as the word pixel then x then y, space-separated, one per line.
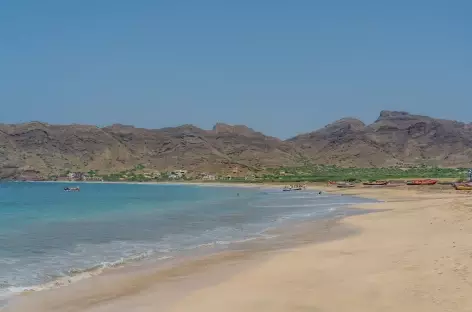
pixel 39 149
pixel 395 138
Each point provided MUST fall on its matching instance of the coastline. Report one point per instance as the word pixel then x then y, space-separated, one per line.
pixel 82 273
pixel 405 207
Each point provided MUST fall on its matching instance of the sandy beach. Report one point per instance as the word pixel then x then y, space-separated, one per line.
pixel 413 254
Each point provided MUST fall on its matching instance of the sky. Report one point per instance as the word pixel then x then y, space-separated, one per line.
pixel 280 67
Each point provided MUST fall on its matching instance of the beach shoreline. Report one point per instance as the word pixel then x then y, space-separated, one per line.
pixel 397 203
pixel 80 273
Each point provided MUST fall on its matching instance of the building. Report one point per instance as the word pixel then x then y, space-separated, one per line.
pixel 91 178
pixel 209 177
pixel 75 176
pixel 173 176
pixel 152 175
pixel 177 174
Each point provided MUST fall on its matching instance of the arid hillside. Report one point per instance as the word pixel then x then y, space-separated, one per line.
pixel 395 138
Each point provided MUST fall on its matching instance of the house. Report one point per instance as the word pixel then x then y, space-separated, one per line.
pixel 75 176
pixel 179 174
pixel 209 177
pixel 91 178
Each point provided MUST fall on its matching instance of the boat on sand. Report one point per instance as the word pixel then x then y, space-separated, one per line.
pixel 463 186
pixel 373 183
pixel 422 182
pixel 345 185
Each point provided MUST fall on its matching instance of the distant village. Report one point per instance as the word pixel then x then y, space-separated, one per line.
pixel 140 175
pixel 308 173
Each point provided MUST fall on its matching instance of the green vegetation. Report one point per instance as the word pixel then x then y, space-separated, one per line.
pixel 92 173
pixel 307 173
pixel 323 173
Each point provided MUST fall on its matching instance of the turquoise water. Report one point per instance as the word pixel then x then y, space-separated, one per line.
pixel 46 233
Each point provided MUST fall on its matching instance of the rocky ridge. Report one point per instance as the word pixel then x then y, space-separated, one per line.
pixel 395 138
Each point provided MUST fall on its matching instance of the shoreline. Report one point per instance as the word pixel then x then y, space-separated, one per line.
pixel 124 264
pixel 397 201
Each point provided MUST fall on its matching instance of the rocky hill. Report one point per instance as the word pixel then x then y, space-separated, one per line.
pixel 39 149
pixel 395 138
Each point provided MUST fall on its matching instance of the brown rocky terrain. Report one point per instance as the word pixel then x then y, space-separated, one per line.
pixel 395 138
pixel 38 149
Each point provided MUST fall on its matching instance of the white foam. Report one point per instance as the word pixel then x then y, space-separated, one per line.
pixel 301 205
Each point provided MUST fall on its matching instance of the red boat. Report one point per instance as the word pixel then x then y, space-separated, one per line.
pixel 422 182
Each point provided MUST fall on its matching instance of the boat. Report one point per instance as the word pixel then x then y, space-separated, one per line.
pixel 376 183
pixel 463 186
pixel 293 188
pixel 345 185
pixel 422 182
pixel 72 189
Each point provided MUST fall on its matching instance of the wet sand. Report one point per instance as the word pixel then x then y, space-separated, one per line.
pixel 413 254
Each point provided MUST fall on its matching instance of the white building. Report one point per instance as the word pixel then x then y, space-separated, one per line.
pixel 209 177
pixel 179 174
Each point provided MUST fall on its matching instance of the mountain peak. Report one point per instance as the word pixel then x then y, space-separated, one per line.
pixel 398 115
pixel 236 129
pixel 349 120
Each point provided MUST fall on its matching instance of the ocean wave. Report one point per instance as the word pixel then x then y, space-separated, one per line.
pixel 254 205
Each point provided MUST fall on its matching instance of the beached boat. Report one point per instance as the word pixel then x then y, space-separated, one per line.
pixel 376 183
pixel 463 186
pixel 422 182
pixel 343 185
pixel 287 189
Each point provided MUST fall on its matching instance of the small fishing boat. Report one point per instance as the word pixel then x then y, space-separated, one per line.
pixel 376 183
pixel 72 189
pixel 463 186
pixel 422 182
pixel 345 185
pixel 297 187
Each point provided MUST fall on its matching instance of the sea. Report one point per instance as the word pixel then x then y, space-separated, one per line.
pixel 47 234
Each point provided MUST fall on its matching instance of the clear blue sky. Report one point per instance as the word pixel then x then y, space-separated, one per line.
pixel 281 67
